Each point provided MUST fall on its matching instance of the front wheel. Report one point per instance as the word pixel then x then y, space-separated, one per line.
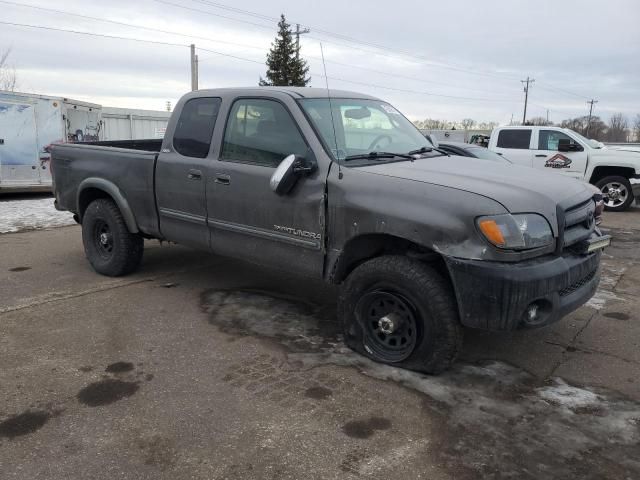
pixel 109 246
pixel 616 193
pixel 399 311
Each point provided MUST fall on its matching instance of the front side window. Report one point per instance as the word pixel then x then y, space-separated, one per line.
pixel 549 139
pixel 362 126
pixel 516 138
pixel 192 137
pixel 261 132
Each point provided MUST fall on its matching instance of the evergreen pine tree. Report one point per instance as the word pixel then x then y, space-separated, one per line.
pixel 284 65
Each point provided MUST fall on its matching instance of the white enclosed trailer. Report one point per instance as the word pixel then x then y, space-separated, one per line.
pixel 132 124
pixel 29 124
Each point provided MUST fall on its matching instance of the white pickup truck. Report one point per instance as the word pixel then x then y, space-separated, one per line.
pixel 569 153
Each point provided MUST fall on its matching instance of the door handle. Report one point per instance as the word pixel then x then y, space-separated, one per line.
pixel 223 179
pixel 194 175
pixel 540 155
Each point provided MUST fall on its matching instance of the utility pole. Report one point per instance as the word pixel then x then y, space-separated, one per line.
pixel 547 116
pixel 590 102
pixel 298 33
pixel 526 96
pixel 194 68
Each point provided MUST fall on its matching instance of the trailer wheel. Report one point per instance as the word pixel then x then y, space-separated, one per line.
pixel 399 311
pixel 109 246
pixel 616 193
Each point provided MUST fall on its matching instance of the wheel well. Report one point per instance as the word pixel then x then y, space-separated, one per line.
pixel 601 172
pixel 87 196
pixel 365 247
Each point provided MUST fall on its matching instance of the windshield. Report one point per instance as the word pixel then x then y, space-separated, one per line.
pixel 363 126
pixel 484 154
pixel 585 140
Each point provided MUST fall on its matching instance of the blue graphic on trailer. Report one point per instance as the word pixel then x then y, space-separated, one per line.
pixel 18 129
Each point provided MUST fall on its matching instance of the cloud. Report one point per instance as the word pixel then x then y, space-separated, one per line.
pixel 434 51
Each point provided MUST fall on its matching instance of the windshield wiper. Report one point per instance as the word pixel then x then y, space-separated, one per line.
pixel 427 150
pixel 378 155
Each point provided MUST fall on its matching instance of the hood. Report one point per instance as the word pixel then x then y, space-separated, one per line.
pixel 631 152
pixel 518 189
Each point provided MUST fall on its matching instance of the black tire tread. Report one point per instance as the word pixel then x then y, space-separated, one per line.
pixel 130 246
pixel 441 305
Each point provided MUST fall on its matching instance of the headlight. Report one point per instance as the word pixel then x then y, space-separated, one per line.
pixel 516 232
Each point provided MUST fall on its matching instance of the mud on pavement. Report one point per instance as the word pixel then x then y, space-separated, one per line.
pixel 494 420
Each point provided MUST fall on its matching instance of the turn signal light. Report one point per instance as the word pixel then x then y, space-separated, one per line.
pixel 492 231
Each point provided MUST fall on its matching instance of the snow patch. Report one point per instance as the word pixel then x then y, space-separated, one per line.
pixel 568 396
pixel 600 299
pixel 30 214
pixel 487 409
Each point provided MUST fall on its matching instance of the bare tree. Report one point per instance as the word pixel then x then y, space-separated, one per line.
pixel 597 128
pixel 636 127
pixel 617 131
pixel 433 124
pixel 541 121
pixel 468 123
pixel 8 79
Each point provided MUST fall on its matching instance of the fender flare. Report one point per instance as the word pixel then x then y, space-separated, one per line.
pixel 115 193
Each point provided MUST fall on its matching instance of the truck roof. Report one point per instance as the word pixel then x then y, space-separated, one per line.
pixel 296 92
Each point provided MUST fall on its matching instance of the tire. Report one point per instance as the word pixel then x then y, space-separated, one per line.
pixel 109 246
pixel 397 295
pixel 622 189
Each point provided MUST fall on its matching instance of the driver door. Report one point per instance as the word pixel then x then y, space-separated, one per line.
pixel 245 217
pixel 549 157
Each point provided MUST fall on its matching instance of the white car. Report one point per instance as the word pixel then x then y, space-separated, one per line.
pixel 568 153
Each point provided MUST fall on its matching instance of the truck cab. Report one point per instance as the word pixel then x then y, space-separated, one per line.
pixel 568 153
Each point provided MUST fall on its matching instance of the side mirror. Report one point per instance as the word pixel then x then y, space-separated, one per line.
pixel 287 174
pixel 565 145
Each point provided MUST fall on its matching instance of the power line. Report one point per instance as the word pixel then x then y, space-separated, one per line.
pixel 350 39
pixel 562 90
pixel 376 45
pixel 208 39
pixel 417 59
pixel 129 25
pixel 78 32
pixel 416 91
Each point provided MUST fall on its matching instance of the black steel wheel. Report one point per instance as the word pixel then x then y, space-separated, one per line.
pixel 390 326
pixel 400 311
pixel 109 246
pixel 103 239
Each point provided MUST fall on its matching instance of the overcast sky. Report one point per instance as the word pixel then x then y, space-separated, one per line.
pixel 432 53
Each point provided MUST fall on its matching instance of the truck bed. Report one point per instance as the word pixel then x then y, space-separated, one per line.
pixel 147 145
pixel 129 171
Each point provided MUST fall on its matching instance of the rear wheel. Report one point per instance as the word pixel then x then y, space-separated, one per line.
pixel 399 311
pixel 616 193
pixel 109 246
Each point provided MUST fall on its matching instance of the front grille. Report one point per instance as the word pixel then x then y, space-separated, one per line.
pixel 579 223
pixel 580 283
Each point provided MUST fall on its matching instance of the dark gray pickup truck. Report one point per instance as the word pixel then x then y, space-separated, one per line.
pixel 344 188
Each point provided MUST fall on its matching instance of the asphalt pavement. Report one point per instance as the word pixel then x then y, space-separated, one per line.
pixel 199 366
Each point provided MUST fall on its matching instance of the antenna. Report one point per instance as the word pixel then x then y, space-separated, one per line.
pixel 333 123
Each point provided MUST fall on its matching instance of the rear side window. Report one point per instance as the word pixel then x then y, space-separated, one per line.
pixel 520 138
pixel 192 137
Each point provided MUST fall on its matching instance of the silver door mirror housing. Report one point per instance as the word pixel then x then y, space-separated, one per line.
pixel 284 178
